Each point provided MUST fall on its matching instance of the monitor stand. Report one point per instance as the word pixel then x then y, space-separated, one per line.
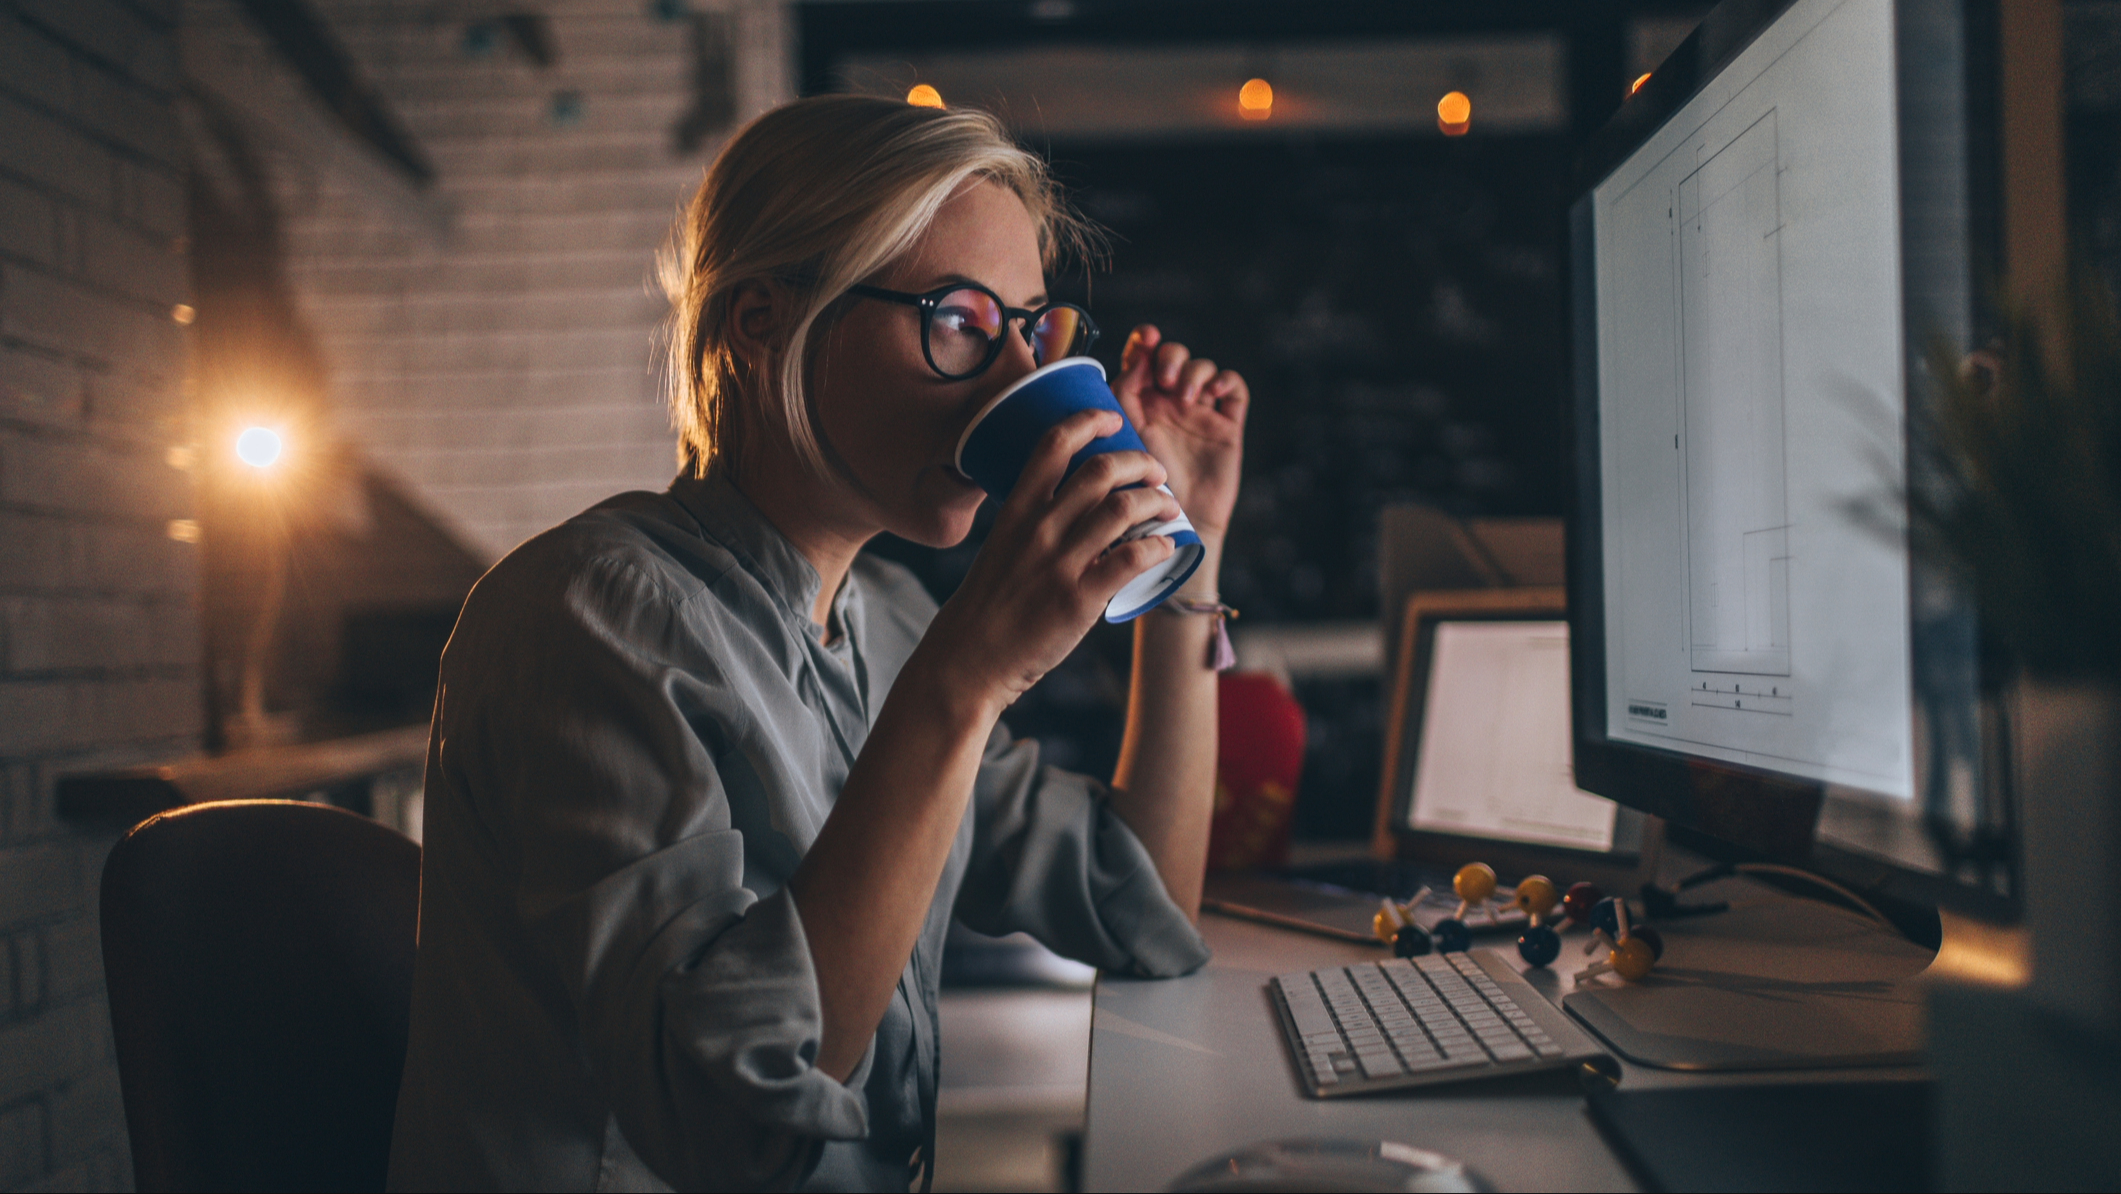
pixel 1775 983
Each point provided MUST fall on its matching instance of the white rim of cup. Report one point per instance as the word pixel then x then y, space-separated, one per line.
pixel 957 459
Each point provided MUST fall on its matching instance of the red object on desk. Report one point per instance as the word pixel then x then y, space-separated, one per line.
pixel 1259 758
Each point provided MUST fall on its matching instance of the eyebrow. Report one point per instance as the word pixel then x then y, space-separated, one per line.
pixel 1037 300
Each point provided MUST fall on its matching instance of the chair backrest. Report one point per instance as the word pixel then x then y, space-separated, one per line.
pixel 259 960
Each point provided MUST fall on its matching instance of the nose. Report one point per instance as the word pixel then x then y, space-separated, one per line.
pixel 1016 359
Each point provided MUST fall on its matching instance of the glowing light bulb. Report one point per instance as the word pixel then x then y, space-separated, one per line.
pixel 1255 100
pixel 1454 114
pixel 258 447
pixel 924 96
pixel 1639 82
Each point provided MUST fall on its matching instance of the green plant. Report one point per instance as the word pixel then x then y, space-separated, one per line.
pixel 2015 477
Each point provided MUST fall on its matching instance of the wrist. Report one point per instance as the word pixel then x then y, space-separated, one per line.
pixel 945 688
pixel 1206 582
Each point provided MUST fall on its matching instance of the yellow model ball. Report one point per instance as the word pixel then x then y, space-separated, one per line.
pixel 1632 959
pixel 1537 895
pixel 1474 882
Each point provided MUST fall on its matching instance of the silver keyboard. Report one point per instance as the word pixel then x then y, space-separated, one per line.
pixel 1401 1022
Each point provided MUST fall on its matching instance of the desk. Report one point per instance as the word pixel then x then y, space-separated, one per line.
pixel 1182 1070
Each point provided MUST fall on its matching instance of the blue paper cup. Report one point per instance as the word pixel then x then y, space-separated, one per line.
pixel 996 447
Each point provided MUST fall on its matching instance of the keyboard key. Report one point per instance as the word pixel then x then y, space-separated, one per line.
pixel 1512 1052
pixel 1381 1065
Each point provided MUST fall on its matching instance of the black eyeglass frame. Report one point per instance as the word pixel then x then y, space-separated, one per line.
pixel 928 301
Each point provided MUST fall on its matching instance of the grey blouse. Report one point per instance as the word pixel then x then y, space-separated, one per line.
pixel 639 733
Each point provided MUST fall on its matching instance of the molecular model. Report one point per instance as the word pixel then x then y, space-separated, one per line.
pixel 1631 950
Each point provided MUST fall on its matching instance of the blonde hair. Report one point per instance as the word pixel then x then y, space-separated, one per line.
pixel 812 197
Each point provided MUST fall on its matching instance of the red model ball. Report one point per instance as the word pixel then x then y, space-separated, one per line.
pixel 1579 901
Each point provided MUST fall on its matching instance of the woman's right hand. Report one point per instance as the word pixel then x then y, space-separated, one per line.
pixel 1049 565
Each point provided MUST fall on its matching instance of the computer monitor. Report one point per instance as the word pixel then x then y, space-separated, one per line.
pixel 1766 244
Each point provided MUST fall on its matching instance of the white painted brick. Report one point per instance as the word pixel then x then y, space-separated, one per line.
pixel 55 554
pixel 39 387
pixel 111 255
pixel 38 881
pixel 467 275
pixel 73 959
pixel 139 405
pixel 33 66
pixel 68 317
pixel 36 147
pixel 112 32
pixel 149 196
pixel 47 715
pixel 551 465
pixel 562 305
pixel 29 224
pixel 46 634
pixel 31 970
pixel 57 1045
pixel 125 112
pixel 523 426
pixel 21 1145
pixel 90 477
pixel 87 1117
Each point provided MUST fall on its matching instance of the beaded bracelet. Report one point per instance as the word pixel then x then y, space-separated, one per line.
pixel 1221 655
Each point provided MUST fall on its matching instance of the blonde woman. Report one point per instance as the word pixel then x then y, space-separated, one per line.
pixel 707 785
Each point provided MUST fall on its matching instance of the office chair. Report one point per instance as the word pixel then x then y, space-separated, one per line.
pixel 259 960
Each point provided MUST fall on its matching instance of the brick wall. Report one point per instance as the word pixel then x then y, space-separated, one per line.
pixel 490 340
pixel 99 642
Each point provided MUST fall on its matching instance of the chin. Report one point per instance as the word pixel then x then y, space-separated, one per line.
pixel 941 526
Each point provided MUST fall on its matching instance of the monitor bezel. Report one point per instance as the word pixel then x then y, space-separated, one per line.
pixel 1751 811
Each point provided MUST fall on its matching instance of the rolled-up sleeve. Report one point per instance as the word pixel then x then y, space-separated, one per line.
pixel 1052 858
pixel 594 765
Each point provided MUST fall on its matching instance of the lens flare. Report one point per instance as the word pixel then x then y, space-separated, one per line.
pixel 1639 82
pixel 1255 100
pixel 258 447
pixel 924 96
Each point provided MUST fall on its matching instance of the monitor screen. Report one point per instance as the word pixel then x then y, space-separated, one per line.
pixel 1494 754
pixel 1765 246
pixel 1749 342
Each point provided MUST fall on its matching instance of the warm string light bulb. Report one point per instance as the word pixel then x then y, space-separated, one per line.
pixel 259 447
pixel 1255 100
pixel 924 96
pixel 1454 114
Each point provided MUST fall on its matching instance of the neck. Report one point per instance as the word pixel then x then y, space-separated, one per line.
pixel 809 512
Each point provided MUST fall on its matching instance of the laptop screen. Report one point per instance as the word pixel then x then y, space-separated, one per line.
pixel 1494 755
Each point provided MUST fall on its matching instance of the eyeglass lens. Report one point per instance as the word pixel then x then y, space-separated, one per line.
pixel 966 323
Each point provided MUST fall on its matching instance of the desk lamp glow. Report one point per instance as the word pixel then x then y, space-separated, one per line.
pixel 259 447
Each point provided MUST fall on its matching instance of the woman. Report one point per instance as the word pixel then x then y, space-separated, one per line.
pixel 706 785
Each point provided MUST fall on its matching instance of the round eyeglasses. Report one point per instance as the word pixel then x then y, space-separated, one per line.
pixel 962 325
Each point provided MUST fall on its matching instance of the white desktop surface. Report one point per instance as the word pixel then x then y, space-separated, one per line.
pixel 1186 1069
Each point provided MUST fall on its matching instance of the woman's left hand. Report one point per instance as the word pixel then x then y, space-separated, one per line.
pixel 1192 417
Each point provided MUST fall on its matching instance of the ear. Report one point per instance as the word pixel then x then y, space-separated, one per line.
pixel 755 313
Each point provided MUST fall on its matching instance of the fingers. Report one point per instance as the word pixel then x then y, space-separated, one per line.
pixel 1124 562
pixel 1049 461
pixel 1101 475
pixel 1170 365
pixel 1101 523
pixel 1194 378
pixel 1229 394
pixel 1141 345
